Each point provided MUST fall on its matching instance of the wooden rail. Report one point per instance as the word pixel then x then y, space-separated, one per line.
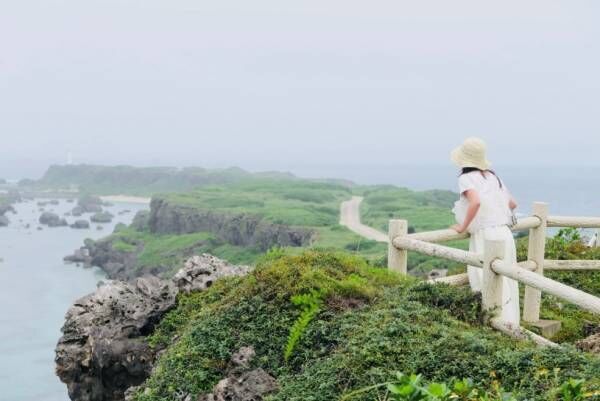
pixel 530 272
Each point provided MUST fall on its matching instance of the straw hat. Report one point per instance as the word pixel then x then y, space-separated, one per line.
pixel 471 154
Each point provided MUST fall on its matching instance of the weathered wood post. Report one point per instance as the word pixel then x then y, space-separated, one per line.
pixel 397 258
pixel 491 290
pixel 535 253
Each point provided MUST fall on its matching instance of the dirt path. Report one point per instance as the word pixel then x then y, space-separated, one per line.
pixel 350 217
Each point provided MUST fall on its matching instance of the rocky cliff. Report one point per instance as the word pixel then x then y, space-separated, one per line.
pixel 103 350
pixel 236 229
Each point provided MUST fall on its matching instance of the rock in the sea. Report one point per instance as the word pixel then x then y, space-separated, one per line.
pixel 81 224
pixel 103 350
pixel 77 211
pixel 200 272
pixel 90 204
pixel 81 255
pixel 102 217
pixel 4 221
pixel 52 220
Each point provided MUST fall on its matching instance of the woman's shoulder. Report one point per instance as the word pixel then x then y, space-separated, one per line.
pixel 468 181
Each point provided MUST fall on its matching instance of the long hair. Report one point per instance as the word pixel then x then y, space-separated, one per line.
pixel 467 170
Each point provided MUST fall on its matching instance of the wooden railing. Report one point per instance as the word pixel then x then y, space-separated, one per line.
pixel 530 272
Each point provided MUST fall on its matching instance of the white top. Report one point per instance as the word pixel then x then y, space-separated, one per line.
pixel 494 209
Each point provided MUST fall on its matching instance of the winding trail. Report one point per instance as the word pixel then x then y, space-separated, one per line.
pixel 350 217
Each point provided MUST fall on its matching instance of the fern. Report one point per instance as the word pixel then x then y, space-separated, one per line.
pixel 311 306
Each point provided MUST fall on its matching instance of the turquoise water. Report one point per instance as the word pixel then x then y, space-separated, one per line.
pixel 37 288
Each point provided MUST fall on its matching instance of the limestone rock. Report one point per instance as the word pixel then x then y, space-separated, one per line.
pixel 246 385
pixel 590 344
pixel 81 224
pixel 199 272
pixel 102 351
pixel 101 217
pixel 52 220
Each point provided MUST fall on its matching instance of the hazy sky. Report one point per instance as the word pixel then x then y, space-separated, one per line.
pixel 285 84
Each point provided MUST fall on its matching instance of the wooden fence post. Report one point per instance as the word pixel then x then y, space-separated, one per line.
pixel 535 253
pixel 397 258
pixel 491 290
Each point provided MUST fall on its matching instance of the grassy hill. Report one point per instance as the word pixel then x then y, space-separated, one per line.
pixel 295 203
pixel 364 324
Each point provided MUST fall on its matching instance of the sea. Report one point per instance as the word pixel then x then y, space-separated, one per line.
pixel 37 287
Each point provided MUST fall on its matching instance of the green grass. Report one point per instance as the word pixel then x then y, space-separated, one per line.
pixel 424 210
pixel 290 202
pixel 370 324
pixel 165 254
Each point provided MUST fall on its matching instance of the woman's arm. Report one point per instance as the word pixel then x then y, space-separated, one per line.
pixel 474 203
pixel 512 203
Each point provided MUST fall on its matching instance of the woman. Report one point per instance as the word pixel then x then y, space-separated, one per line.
pixel 484 209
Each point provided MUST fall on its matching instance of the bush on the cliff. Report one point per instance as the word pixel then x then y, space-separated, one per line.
pixel 371 323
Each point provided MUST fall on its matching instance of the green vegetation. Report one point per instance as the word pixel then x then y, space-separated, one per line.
pixel 369 323
pixel 567 244
pixel 412 388
pixel 425 210
pixel 110 180
pixel 165 254
pixel 289 202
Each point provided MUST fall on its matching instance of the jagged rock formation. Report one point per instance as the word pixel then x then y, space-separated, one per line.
pixel 240 229
pixel 52 220
pixel 81 255
pixel 116 263
pixel 103 351
pixel 200 272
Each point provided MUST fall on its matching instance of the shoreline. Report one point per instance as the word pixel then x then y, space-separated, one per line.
pixel 126 199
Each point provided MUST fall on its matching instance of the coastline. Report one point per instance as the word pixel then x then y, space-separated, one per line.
pixel 126 199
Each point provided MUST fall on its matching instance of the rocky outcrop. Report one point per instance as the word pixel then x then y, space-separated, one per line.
pixel 4 221
pixel 236 229
pixel 52 220
pixel 242 384
pixel 81 224
pixel 103 351
pixel 81 255
pixel 590 344
pixel 101 217
pixel 141 221
pixel 117 264
pixel 200 272
pixel 89 204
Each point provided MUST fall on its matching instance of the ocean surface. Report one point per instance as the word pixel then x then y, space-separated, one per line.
pixel 36 289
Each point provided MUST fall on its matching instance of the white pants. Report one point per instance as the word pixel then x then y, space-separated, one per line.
pixel 510 289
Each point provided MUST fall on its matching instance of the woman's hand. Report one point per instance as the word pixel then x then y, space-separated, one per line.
pixel 458 228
